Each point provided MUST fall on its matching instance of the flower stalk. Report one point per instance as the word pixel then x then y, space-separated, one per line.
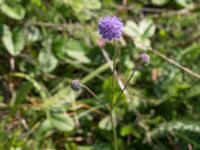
pixel 113 128
pixel 110 28
pixel 127 82
pixel 112 100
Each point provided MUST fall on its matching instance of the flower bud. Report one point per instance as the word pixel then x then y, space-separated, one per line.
pixel 75 85
pixel 145 58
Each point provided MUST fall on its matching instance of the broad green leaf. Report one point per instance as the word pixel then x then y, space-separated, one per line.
pixel 126 130
pixel 80 5
pixel 16 12
pixel 107 3
pixel 142 32
pixel 131 29
pixel 78 55
pixel 83 8
pixel 129 129
pixel 105 123
pixel 92 4
pixel 194 92
pixel 143 43
pixel 7 40
pixel 77 51
pixel 19 40
pixel 48 61
pixel 178 125
pixel 45 126
pixel 147 28
pixel 107 90
pixel 13 42
pixel 84 15
pixel 184 3
pixel 62 121
pixel 159 2
pixel 33 34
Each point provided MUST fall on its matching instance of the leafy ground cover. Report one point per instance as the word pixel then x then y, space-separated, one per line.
pixel 47 43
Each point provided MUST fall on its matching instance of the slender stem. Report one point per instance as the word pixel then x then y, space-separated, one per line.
pixel 112 100
pixel 120 83
pixel 113 71
pixel 118 98
pixel 175 63
pixel 113 129
pixel 110 114
pixel 93 94
pixel 12 64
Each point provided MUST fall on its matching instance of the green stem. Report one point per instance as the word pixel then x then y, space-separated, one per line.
pixel 112 102
pixel 113 72
pixel 133 72
pixel 113 129
pixel 93 94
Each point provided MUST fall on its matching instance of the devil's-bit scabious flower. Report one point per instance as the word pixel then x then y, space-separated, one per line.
pixel 110 28
pixel 145 58
pixel 75 85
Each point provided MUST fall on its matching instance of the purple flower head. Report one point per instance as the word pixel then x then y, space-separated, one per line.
pixel 110 28
pixel 145 58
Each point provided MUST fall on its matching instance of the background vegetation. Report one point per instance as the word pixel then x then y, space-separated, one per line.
pixel 47 43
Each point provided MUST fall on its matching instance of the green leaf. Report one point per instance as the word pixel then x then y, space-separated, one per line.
pixel 13 42
pixel 62 121
pixel 105 123
pixel 21 93
pixel 184 3
pixel 142 32
pixel 48 61
pixel 126 130
pixel 107 90
pixel 187 126
pixel 78 55
pixel 194 92
pixel 143 44
pixel 45 126
pixel 147 28
pixel 76 50
pixel 131 29
pixel 129 130
pixel 19 40
pixel 33 34
pixel 82 8
pixel 16 12
pixel 80 5
pixel 159 2
pixel 7 40
pixel 92 4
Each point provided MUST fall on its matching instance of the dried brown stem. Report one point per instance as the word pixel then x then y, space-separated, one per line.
pixel 169 60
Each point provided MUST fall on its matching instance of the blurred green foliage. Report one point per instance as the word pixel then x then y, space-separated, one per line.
pixel 47 43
